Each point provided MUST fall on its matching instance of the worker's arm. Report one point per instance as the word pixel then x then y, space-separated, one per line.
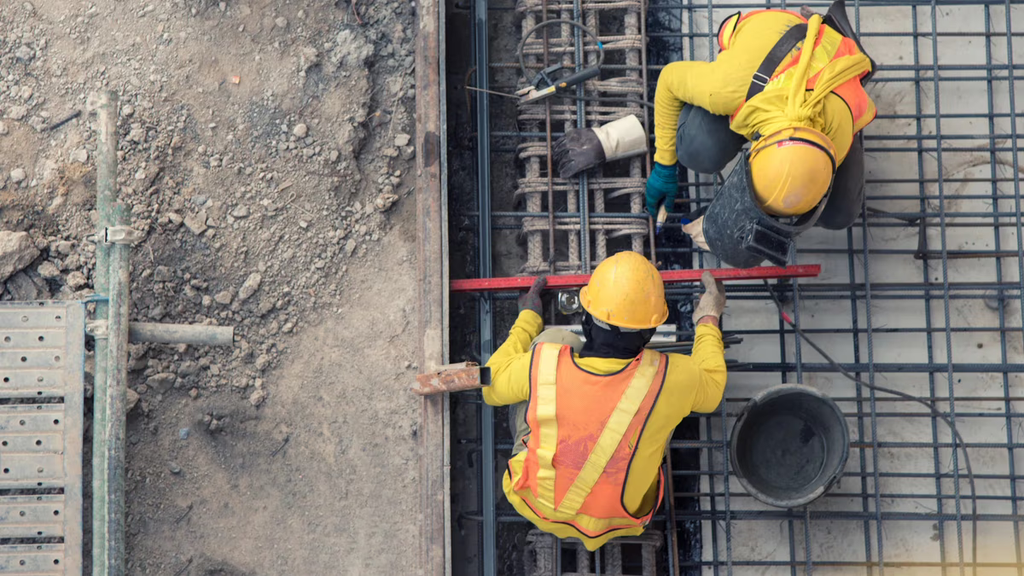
pixel 718 87
pixel 679 83
pixel 510 363
pixel 708 358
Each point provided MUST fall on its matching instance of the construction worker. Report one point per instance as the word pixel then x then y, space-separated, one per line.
pixel 791 85
pixel 591 420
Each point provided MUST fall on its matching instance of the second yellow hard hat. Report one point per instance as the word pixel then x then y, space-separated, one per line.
pixel 791 170
pixel 627 291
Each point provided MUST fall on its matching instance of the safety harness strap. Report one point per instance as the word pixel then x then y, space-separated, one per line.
pixel 546 373
pixel 771 62
pixel 612 434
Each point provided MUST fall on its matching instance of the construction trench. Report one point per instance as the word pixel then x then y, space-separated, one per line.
pixel 924 294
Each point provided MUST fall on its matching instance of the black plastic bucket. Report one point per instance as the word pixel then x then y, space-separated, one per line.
pixel 789 445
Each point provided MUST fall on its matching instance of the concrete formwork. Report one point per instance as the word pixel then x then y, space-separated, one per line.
pixel 923 294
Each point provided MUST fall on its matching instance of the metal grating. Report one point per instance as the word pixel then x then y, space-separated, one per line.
pixel 42 351
pixel 544 553
pixel 924 294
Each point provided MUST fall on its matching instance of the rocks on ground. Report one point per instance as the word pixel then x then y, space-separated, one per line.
pixel 17 250
pixel 250 203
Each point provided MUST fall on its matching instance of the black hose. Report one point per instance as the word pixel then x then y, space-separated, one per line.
pixel 926 403
pixel 577 25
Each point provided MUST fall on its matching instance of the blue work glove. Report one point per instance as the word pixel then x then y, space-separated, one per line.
pixel 662 185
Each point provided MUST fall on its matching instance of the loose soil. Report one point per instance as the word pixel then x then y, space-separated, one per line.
pixel 265 153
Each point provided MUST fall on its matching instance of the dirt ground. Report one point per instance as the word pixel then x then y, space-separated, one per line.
pixel 266 153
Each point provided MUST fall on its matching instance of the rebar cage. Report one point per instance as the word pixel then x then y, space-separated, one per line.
pixel 923 294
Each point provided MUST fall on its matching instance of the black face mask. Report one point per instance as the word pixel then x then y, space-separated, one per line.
pixel 611 342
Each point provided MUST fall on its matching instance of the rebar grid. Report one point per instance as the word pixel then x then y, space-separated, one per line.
pixel 933 284
pixel 615 189
pixel 924 294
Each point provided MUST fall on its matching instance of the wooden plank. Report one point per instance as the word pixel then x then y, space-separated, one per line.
pixel 431 213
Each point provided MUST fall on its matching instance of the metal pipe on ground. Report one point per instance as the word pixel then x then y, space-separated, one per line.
pixel 155 333
pixel 115 396
pixel 113 279
pixel 107 547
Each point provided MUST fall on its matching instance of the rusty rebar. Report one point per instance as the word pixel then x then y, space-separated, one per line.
pixel 547 130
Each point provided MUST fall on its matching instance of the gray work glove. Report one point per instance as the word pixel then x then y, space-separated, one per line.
pixel 712 302
pixel 531 300
pixel 585 148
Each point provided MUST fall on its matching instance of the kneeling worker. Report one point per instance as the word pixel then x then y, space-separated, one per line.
pixel 591 420
pixel 789 83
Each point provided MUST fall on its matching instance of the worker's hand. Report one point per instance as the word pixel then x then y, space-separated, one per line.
pixel 712 302
pixel 577 151
pixel 531 300
pixel 662 186
pixel 583 149
pixel 696 231
pixel 806 11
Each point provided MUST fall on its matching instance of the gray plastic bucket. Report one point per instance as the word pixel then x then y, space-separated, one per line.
pixel 789 445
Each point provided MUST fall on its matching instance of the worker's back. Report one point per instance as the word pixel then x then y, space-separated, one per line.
pixel 684 384
pixel 591 420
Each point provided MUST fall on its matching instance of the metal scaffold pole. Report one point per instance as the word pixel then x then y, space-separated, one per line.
pixel 109 397
pixel 112 332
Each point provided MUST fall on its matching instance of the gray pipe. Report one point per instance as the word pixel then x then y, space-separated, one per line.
pixel 197 335
pixel 108 525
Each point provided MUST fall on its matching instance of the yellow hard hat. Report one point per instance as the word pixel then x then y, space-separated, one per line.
pixel 626 290
pixel 791 170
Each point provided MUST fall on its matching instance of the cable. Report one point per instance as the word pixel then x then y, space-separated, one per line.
pixel 927 403
pixel 577 25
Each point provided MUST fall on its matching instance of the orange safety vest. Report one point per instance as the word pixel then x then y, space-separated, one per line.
pixel 584 429
pixel 829 46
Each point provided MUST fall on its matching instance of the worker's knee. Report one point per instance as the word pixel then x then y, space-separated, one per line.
pixel 518 426
pixel 704 141
pixel 847 196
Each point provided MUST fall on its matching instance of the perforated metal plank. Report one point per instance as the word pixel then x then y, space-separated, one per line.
pixel 42 367
pixel 40 515
pixel 37 560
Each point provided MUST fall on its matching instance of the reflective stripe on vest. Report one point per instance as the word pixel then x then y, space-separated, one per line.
pixel 727 29
pixel 612 434
pixel 829 46
pixel 548 424
pixel 546 483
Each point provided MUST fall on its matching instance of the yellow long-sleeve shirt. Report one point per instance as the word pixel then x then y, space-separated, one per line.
pixel 720 86
pixel 692 383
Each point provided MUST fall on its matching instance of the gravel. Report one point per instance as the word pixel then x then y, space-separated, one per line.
pixel 250 286
pixel 17 250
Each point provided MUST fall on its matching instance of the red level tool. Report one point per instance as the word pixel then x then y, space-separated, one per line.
pixel 669 276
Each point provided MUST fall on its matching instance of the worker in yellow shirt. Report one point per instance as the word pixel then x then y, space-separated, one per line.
pixel 790 84
pixel 592 419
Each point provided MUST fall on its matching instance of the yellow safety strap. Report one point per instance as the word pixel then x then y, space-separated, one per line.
pixel 546 373
pixel 612 434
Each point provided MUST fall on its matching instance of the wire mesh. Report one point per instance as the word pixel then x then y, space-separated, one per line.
pixel 924 294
